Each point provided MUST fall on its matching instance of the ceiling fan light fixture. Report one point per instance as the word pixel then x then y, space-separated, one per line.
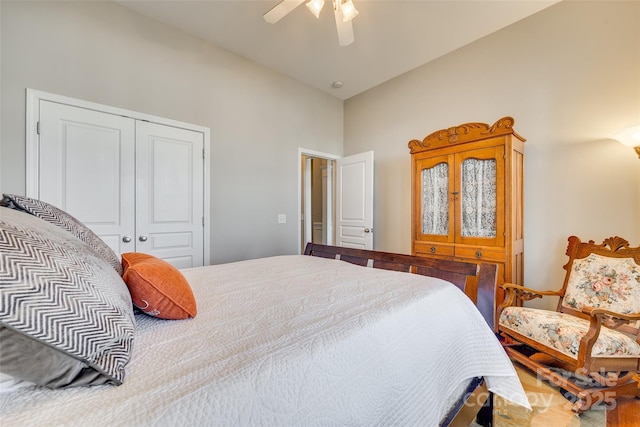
pixel 343 10
pixel 349 10
pixel 315 6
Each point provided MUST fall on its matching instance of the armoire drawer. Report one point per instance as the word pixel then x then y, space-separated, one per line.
pixel 481 253
pixel 431 249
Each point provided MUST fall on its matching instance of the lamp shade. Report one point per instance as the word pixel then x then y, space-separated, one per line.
pixel 629 136
pixel 315 6
pixel 349 11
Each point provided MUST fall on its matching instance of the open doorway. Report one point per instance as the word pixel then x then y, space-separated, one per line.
pixel 317 198
pixel 335 199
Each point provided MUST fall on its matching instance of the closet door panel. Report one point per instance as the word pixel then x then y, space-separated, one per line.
pixel 169 193
pixel 86 167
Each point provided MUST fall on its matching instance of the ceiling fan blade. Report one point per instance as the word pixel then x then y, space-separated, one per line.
pixel 280 10
pixel 345 29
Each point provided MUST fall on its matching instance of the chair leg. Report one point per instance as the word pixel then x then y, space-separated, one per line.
pixel 587 398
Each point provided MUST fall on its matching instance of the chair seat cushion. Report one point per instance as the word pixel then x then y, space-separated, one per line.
pixel 563 332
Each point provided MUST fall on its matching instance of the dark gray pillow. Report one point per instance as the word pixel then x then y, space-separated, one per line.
pixel 66 317
pixel 66 221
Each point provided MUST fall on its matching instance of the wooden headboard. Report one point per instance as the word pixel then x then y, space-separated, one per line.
pixel 477 280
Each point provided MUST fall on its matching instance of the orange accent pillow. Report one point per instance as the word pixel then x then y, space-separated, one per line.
pixel 158 288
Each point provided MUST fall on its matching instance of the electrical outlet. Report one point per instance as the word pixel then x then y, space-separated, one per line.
pixel 282 218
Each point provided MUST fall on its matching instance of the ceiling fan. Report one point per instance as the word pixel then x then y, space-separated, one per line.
pixel 344 11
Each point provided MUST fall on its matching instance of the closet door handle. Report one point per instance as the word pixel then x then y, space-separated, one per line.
pixel 126 239
pixel 142 238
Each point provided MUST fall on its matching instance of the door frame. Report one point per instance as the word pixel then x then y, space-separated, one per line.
pixel 302 153
pixel 33 98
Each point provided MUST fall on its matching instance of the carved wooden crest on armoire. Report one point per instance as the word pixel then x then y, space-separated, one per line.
pixel 467 196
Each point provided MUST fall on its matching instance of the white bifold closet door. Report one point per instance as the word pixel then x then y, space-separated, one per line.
pixel 138 185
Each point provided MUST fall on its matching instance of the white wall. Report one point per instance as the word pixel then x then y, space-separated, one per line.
pixel 570 76
pixel 105 53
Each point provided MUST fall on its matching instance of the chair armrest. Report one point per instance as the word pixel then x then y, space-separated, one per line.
pixel 515 293
pixel 599 317
pixel 610 319
pixel 527 294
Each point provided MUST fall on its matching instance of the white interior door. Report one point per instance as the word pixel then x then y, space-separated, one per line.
pixel 86 167
pixel 169 193
pixel 90 159
pixel 138 185
pixel 354 201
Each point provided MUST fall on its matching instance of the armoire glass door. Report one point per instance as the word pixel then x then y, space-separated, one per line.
pixel 436 201
pixel 480 196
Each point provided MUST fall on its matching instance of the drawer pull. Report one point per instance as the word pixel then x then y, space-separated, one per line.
pixel 433 249
pixel 478 254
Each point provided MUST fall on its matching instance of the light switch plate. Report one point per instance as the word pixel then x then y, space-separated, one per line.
pixel 282 218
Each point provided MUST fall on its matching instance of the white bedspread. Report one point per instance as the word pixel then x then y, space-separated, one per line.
pixel 292 340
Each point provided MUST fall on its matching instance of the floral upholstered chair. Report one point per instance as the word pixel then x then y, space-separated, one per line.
pixel 589 346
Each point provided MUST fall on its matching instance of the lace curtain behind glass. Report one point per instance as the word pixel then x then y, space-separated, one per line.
pixel 435 204
pixel 479 198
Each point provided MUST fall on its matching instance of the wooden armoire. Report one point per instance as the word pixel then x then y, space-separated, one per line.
pixel 467 204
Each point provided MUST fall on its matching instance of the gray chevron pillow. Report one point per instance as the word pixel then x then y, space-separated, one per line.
pixel 66 317
pixel 64 220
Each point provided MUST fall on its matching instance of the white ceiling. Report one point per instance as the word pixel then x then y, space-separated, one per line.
pixel 391 37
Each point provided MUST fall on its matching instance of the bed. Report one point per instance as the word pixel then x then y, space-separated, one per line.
pixel 332 337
